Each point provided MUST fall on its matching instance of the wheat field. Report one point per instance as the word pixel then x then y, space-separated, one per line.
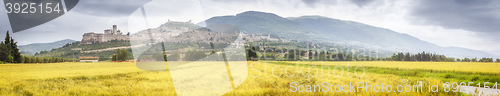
pixel 264 78
pixel 482 67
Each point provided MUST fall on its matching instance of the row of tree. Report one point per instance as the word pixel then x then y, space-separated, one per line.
pixel 435 57
pixel 476 60
pixel 10 53
pixel 421 57
pixel 26 59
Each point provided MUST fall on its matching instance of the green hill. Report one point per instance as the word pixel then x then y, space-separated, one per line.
pixel 31 49
pixel 67 52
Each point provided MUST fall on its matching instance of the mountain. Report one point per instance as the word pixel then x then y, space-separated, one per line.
pixel 495 52
pixel 263 23
pixel 37 47
pixel 331 30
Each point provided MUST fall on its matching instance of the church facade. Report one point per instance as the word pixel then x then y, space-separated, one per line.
pixel 108 35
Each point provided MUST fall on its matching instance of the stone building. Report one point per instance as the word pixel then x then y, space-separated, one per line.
pixel 109 35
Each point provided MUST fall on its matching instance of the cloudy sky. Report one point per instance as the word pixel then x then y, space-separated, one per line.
pixel 473 24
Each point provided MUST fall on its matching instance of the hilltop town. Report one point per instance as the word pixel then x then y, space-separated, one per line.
pixel 108 35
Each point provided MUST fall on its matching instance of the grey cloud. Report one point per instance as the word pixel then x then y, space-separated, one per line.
pixel 111 8
pixel 310 2
pixel 235 1
pixel 314 3
pixel 361 3
pixel 472 15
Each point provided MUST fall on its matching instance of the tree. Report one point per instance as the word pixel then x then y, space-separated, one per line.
pixel 173 57
pixel 498 60
pixel 113 58
pixel 194 55
pixel 9 48
pixel 27 59
pixel 3 51
pixel 486 60
pixel 474 59
pixel 407 56
pixel 252 54
pixel 421 57
pixel 394 57
pixel 10 59
pixel 401 57
pixel 466 60
pixel 160 57
pixel 121 55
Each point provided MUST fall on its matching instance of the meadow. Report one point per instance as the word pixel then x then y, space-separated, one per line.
pixel 264 78
pixel 476 72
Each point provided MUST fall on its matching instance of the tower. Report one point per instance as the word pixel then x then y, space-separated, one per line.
pixel 114 29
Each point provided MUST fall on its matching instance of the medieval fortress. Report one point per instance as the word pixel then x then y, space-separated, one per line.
pixel 109 35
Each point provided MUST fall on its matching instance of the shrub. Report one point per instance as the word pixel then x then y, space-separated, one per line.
pixel 447 76
pixel 10 59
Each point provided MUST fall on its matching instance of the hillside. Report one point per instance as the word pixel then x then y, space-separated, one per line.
pixel 323 29
pixel 37 47
pixel 263 23
pixel 313 29
pixel 87 50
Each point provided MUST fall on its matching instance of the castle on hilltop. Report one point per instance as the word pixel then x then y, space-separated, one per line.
pixel 109 35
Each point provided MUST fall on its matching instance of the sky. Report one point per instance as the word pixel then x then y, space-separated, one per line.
pixel 472 24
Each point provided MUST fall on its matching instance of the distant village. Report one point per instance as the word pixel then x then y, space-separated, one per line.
pixel 172 34
pixel 108 35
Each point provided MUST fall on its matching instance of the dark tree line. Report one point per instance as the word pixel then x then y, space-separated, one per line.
pixel 421 57
pixel 121 55
pixel 284 54
pixel 484 59
pixel 435 57
pixel 10 53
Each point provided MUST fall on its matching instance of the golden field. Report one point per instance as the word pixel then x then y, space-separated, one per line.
pixel 483 67
pixel 109 78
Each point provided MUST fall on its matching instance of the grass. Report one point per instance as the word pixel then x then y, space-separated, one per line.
pixel 108 78
pixel 445 72
pixel 474 67
pixel 67 69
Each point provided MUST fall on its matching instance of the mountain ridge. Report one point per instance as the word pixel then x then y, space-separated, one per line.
pixel 314 27
pixel 37 47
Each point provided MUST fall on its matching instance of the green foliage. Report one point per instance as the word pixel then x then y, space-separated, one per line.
pixel 160 57
pixel 67 52
pixel 10 59
pixel 173 57
pixel 466 60
pixel 486 60
pixel 113 58
pixel 121 55
pixel 3 51
pixel 251 54
pixel 444 75
pixel 9 48
pixel 194 55
pixel 421 57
